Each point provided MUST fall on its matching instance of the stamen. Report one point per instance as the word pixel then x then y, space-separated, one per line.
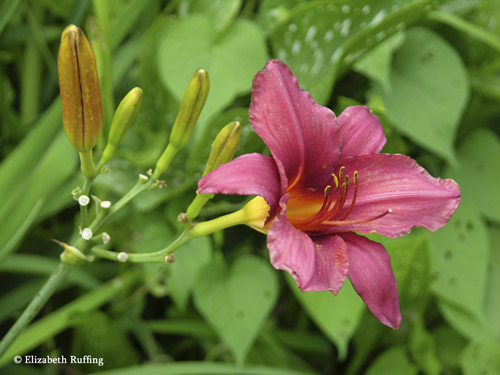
pixel 360 221
pixel 327 190
pixel 341 172
pixel 351 206
pixel 340 199
pixel 335 180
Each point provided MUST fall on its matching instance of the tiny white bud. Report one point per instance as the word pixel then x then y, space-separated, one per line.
pixel 143 177
pixel 105 238
pixel 150 172
pixel 122 257
pixel 389 210
pixel 83 200
pixel 170 258
pixel 105 204
pixel 87 234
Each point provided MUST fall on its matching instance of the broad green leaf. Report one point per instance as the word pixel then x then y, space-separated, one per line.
pixel 393 361
pixel 376 64
pixel 429 90
pixel 322 37
pixel 221 12
pixel 336 316
pixel 199 368
pixel 236 300
pixel 459 274
pixel 410 262
pixel 477 174
pixel 481 358
pixel 231 58
pixel 492 300
pixel 189 260
pixel 7 9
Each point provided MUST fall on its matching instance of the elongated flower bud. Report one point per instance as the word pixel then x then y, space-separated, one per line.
pixel 80 92
pixel 191 106
pixel 223 149
pixel 124 117
pixel 224 146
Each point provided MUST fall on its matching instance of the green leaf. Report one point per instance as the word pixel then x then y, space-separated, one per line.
pixel 189 260
pixel 231 58
pixel 376 64
pixel 100 336
pixel 336 316
pixel 492 300
pixel 423 349
pixel 411 265
pixel 320 38
pixel 47 327
pixel 450 344
pixel 481 358
pixel 429 90
pixel 221 12
pixel 199 368
pixel 393 361
pixel 236 300
pixel 477 174
pixel 459 274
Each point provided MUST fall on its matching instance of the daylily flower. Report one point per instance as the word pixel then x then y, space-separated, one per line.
pixel 325 180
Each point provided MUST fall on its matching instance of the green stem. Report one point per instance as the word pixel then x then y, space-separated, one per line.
pixel 35 305
pixel 87 163
pixel 153 257
pixel 84 209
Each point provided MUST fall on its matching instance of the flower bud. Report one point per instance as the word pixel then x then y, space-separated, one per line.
pixel 124 117
pixel 191 106
pixel 80 92
pixel 224 146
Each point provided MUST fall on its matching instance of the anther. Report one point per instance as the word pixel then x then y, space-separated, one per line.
pixel 327 190
pixel 335 180
pixel 341 172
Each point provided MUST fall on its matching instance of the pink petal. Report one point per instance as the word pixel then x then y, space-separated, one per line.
pixel 316 265
pixel 249 174
pixel 398 184
pixel 301 134
pixel 360 132
pixel 371 276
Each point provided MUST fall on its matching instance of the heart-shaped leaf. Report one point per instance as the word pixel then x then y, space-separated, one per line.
pixel 430 72
pixel 231 58
pixel 337 316
pixel 236 300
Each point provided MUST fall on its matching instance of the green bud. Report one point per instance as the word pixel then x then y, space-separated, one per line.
pixel 223 150
pixel 191 106
pixel 124 117
pixel 224 146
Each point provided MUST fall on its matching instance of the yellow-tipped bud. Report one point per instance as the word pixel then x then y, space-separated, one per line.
pixel 80 92
pixel 124 117
pixel 224 146
pixel 255 214
pixel 191 106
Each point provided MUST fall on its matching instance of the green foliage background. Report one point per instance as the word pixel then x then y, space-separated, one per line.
pixel 429 69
